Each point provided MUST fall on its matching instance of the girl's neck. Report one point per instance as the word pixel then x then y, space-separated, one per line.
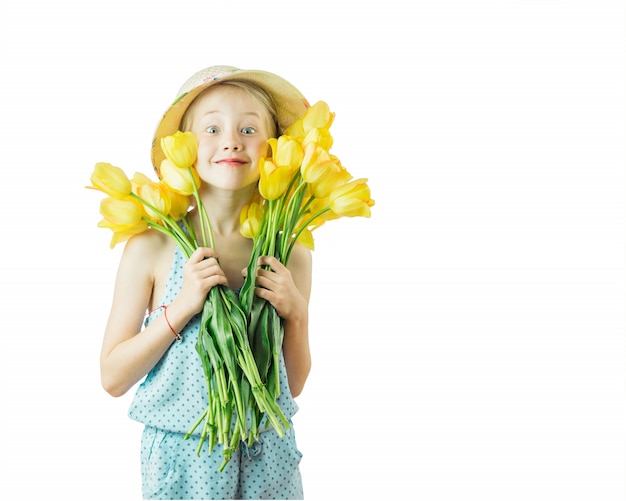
pixel 223 208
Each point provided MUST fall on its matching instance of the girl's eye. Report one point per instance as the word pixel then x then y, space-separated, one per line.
pixel 248 130
pixel 212 130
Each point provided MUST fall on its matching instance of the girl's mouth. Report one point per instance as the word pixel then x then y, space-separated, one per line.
pixel 231 162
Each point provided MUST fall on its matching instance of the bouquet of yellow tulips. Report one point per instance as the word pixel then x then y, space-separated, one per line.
pixel 301 186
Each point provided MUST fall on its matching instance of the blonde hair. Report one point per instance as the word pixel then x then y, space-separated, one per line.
pixel 253 90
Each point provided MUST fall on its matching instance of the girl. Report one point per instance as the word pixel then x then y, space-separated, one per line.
pixel 232 113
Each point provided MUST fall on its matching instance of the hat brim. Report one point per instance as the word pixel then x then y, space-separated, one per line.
pixel 290 103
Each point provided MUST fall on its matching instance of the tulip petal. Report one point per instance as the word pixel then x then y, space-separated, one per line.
pixel 111 180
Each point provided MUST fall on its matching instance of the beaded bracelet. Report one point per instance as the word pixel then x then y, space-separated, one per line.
pixel 178 337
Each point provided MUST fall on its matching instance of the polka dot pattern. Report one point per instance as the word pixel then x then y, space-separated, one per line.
pixel 269 469
pixel 170 400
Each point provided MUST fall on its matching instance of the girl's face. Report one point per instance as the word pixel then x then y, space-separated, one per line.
pixel 232 128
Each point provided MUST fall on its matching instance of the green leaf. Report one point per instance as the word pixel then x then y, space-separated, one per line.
pixel 261 348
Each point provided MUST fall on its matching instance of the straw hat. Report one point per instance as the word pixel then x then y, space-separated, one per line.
pixel 290 103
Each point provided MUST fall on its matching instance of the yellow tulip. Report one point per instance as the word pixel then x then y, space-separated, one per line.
pixel 123 233
pixel 111 180
pixel 286 152
pixel 250 219
pixel 119 212
pixel 317 116
pixel 295 129
pixel 334 177
pixel 181 148
pixel 158 201
pixel 179 204
pixel 321 137
pixel 139 179
pixel 316 163
pixel 160 196
pixel 352 199
pixel 274 179
pixel 180 180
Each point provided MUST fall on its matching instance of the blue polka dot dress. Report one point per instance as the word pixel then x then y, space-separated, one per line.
pixel 171 399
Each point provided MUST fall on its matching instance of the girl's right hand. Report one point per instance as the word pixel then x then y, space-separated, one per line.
pixel 201 273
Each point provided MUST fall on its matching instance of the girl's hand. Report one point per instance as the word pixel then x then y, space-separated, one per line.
pixel 277 286
pixel 201 273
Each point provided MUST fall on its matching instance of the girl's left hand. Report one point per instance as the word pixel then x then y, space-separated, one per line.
pixel 277 286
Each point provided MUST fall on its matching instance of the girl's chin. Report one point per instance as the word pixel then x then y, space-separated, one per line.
pixel 231 186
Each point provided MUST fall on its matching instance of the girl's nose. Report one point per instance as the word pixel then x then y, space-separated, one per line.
pixel 231 142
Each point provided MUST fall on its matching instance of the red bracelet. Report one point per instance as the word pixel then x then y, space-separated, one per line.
pixel 178 337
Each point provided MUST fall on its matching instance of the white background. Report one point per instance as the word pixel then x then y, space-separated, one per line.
pixel 468 339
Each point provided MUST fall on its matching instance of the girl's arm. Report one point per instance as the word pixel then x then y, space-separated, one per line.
pixel 289 289
pixel 128 352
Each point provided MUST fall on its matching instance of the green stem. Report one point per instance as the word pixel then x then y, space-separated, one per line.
pixel 182 242
pixel 193 428
pixel 246 294
pixel 171 227
pixel 270 244
pixel 292 214
pixel 189 227
pixel 205 224
pixel 300 230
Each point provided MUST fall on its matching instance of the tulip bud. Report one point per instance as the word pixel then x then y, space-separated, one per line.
pixel 316 163
pixel 295 129
pixel 181 148
pixel 182 181
pixel 352 199
pixel 121 212
pixel 332 179
pixel 273 180
pixel 250 219
pixel 321 137
pixel 286 152
pixel 317 116
pixel 158 202
pixel 110 180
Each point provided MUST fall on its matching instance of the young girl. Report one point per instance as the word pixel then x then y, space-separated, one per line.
pixel 232 113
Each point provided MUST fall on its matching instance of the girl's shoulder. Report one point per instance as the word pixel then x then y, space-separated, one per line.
pixel 147 259
pixel 300 257
pixel 149 245
pixel 149 253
